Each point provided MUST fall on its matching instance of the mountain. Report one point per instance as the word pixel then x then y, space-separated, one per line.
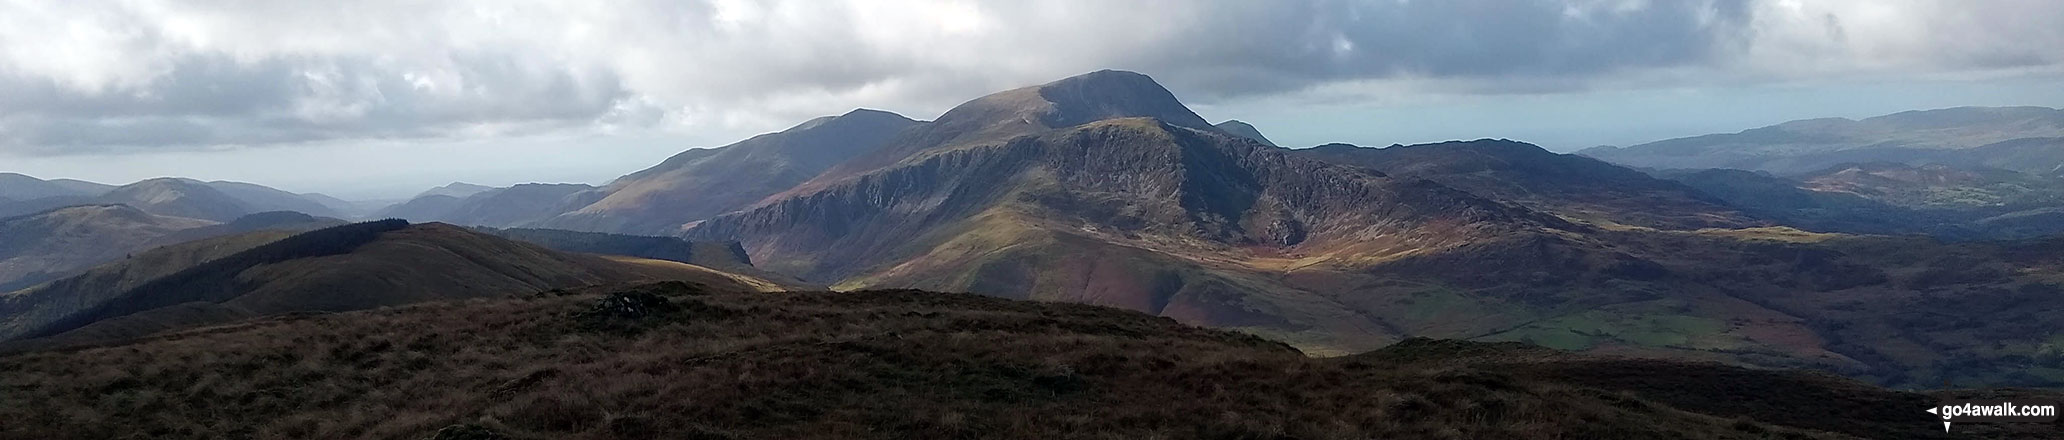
pixel 701 183
pixel 1243 129
pixel 178 198
pixel 350 267
pixel 680 361
pixel 1180 220
pixel 1914 137
pixel 1575 187
pixel 43 246
pixel 457 190
pixel 999 117
pixel 1465 241
pixel 17 187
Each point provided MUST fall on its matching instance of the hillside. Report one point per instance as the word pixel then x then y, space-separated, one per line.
pixel 1975 190
pixel 348 267
pixel 1575 187
pixel 1243 129
pixel 690 362
pixel 178 198
pixel 47 245
pixel 702 183
pixel 1916 137
pixel 259 198
pixel 18 187
pixel 1185 222
pixel 724 256
pixel 516 206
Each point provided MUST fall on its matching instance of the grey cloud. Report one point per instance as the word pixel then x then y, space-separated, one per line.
pixel 201 74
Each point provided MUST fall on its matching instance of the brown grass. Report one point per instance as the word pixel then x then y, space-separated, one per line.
pixel 875 364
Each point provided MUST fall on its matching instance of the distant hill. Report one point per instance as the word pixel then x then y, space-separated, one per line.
pixel 1951 135
pixel 423 208
pixel 216 201
pixel 25 207
pixel 515 206
pixel 699 184
pixel 1939 186
pixel 288 221
pixel 178 198
pixel 345 208
pixel 1888 198
pixel 348 267
pixel 681 361
pixel 17 187
pixel 43 246
pixel 258 198
pixel 456 190
pixel 1245 130
pixel 1575 187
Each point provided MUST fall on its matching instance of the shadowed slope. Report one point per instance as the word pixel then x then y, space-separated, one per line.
pixel 349 267
pixel 1575 187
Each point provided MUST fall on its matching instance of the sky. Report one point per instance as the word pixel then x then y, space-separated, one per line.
pixel 382 99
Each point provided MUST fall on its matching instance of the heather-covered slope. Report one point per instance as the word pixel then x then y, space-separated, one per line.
pixel 1575 187
pixel 699 184
pixel 682 361
pixel 348 267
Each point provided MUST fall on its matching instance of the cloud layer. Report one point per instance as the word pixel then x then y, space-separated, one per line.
pixel 99 77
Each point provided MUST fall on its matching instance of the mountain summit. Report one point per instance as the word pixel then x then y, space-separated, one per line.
pixel 1001 116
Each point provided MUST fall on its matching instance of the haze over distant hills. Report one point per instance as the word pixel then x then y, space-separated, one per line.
pixel 2003 137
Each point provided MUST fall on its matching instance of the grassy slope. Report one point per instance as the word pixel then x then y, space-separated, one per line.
pixel 50 244
pixel 413 264
pixel 877 364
